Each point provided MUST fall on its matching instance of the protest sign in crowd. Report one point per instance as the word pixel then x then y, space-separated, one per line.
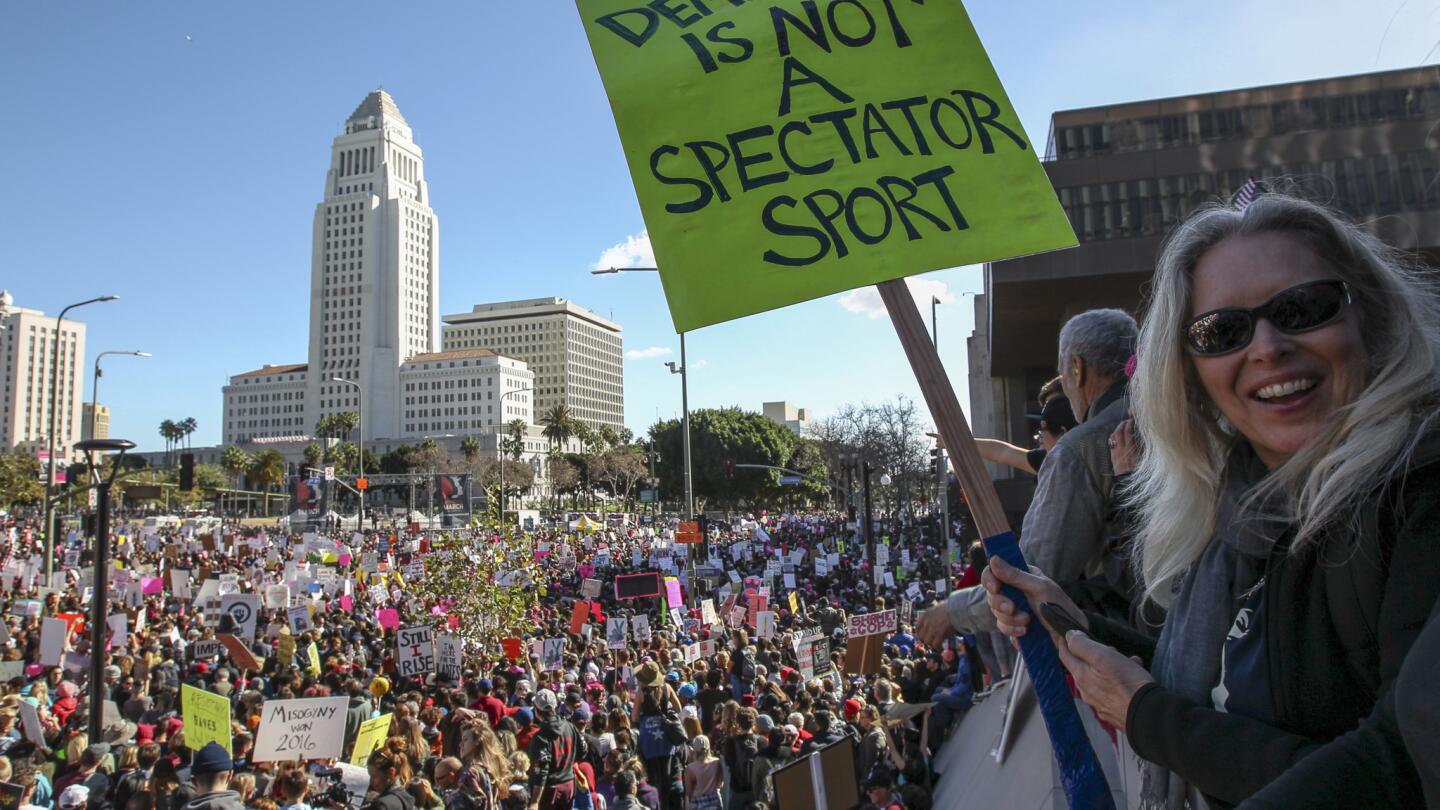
pixel 336 667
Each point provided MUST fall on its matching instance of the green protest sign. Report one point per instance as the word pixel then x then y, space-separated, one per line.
pixel 784 150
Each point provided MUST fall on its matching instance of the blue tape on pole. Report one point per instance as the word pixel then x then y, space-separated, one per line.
pixel 1080 773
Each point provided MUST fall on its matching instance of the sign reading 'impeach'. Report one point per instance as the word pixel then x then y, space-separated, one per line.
pixel 783 150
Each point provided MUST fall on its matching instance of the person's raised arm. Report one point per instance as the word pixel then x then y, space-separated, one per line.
pixel 1005 453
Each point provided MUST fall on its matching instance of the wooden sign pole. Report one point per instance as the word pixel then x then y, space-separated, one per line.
pixel 1081 774
pixel 944 408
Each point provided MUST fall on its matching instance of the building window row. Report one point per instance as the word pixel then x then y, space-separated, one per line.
pixel 1247 122
pixel 1361 187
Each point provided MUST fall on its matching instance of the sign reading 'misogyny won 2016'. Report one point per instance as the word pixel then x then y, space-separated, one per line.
pixel 783 150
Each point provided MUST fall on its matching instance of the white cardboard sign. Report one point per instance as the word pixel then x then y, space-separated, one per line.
pixel 308 728
pixel 416 646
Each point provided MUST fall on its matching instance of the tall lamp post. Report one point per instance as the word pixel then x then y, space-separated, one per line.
pixel 50 460
pixel 684 420
pixel 499 453
pixel 684 392
pixel 360 427
pixel 95 385
pixel 100 600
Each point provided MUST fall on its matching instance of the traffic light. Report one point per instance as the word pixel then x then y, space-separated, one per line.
pixel 729 468
pixel 187 472
pixel 935 461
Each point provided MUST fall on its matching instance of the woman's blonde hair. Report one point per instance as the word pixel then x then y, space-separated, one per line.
pixel 1369 441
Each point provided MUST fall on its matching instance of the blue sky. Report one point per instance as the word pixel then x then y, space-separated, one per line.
pixel 173 153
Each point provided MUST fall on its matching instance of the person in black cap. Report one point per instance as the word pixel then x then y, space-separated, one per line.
pixel 210 771
pixel 1055 418
pixel 878 791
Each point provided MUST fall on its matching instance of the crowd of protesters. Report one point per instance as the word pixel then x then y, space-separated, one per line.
pixel 1235 505
pixel 636 724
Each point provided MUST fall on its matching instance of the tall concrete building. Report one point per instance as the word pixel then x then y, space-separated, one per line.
pixel 375 269
pixel 1127 173
pixel 577 357
pixel 96 424
pixel 375 319
pixel 28 344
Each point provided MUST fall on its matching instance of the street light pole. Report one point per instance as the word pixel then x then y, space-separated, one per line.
pixel 49 527
pixel 943 473
pixel 360 427
pixel 684 418
pixel 95 386
pixel 100 599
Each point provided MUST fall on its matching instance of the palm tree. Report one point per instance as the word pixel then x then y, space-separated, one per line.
pixel 185 427
pixel 470 448
pixel 268 469
pixel 314 454
pixel 167 430
pixel 235 462
pixel 559 426
pixel 345 422
pixel 517 429
pixel 585 434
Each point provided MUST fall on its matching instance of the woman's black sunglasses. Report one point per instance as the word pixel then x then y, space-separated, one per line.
pixel 1298 309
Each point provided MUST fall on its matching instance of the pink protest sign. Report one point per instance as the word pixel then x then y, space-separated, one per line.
pixel 347 603
pixel 587 571
pixel 344 560
pixel 152 586
pixel 389 618
pixel 672 592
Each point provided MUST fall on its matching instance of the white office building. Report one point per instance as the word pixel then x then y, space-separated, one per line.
pixel 375 269
pixel 577 357
pixel 267 403
pixel 375 320
pixel 463 392
pixel 28 344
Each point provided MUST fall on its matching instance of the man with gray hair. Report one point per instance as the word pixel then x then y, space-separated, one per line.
pixel 1064 533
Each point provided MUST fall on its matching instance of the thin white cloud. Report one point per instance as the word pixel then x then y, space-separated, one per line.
pixel 642 354
pixel 699 364
pixel 866 300
pixel 635 251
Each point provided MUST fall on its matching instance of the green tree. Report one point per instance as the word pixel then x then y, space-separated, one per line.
pixel 515 443
pixel 314 454
pixel 344 457
pixel 809 458
pixel 470 448
pixel 268 470
pixel 235 462
pixel 395 462
pixel 345 422
pixel 185 427
pixel 20 479
pixel 717 436
pixel 559 426
pixel 169 432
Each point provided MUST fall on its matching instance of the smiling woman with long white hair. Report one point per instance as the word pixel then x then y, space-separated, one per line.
pixel 1287 395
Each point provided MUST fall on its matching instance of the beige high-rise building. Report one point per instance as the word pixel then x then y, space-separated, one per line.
pixel 28 346
pixel 97 421
pixel 577 357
